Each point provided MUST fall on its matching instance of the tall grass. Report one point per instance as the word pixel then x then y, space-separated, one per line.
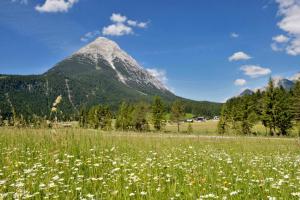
pixel 89 164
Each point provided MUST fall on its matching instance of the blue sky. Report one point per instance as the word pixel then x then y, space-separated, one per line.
pixel 203 49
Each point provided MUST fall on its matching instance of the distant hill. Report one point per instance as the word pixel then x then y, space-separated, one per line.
pixel 246 92
pixel 285 83
pixel 100 72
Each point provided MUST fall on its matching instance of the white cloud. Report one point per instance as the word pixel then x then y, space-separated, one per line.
pixel 161 75
pixel 239 56
pixel 290 12
pixel 90 35
pixel 56 6
pixel 117 30
pixel 118 18
pixel 240 82
pixel 276 47
pixel 122 25
pixel 20 1
pixel 295 77
pixel 234 35
pixel 281 39
pixel 255 71
pixel 137 24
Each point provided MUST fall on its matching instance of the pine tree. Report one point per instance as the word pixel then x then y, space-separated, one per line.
pixel 100 117
pixel 296 105
pixel 224 119
pixel 139 117
pixel 268 114
pixel 283 114
pixel 124 117
pixel 177 113
pixel 158 113
pixel 248 117
pixel 83 117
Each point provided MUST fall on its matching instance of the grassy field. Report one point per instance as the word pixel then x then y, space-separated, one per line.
pixel 88 164
pixel 210 128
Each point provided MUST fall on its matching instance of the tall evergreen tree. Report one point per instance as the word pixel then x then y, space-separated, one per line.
pixel 283 114
pixel 224 119
pixel 139 117
pixel 177 113
pixel 158 113
pixel 83 117
pixel 248 117
pixel 100 117
pixel 296 105
pixel 268 114
pixel 124 117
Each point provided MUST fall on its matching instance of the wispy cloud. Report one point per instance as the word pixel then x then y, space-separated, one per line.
pixel 160 74
pixel 118 29
pixel 122 25
pixel 289 10
pixel 90 35
pixel 240 82
pixel 20 1
pixel 239 56
pixel 234 35
pixel 280 39
pixel 255 71
pixel 53 6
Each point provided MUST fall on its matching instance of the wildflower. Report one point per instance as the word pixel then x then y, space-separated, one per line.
pixel 131 194
pixel 90 196
pixel 55 178
pixel 2 182
pixel 234 193
pixel 296 194
pixel 143 193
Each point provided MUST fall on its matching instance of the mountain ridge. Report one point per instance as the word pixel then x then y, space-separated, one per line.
pixel 100 72
pixel 286 83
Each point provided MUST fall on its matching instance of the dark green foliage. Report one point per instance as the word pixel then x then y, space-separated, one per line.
pixel 83 117
pixel 100 117
pixel 283 114
pixel 124 117
pixel 139 117
pixel 269 101
pixel 296 105
pixel 271 107
pixel 158 113
pixel 177 112
pixel 239 115
pixel 296 101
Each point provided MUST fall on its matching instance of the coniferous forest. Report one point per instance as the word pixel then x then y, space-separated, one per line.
pixel 277 109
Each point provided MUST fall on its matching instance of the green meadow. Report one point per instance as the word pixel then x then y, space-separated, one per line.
pixel 91 164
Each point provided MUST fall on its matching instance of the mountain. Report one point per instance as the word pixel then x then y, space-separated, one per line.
pixel 284 83
pixel 246 92
pixel 100 72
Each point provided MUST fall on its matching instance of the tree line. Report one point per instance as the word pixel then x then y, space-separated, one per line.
pixel 277 109
pixel 132 117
